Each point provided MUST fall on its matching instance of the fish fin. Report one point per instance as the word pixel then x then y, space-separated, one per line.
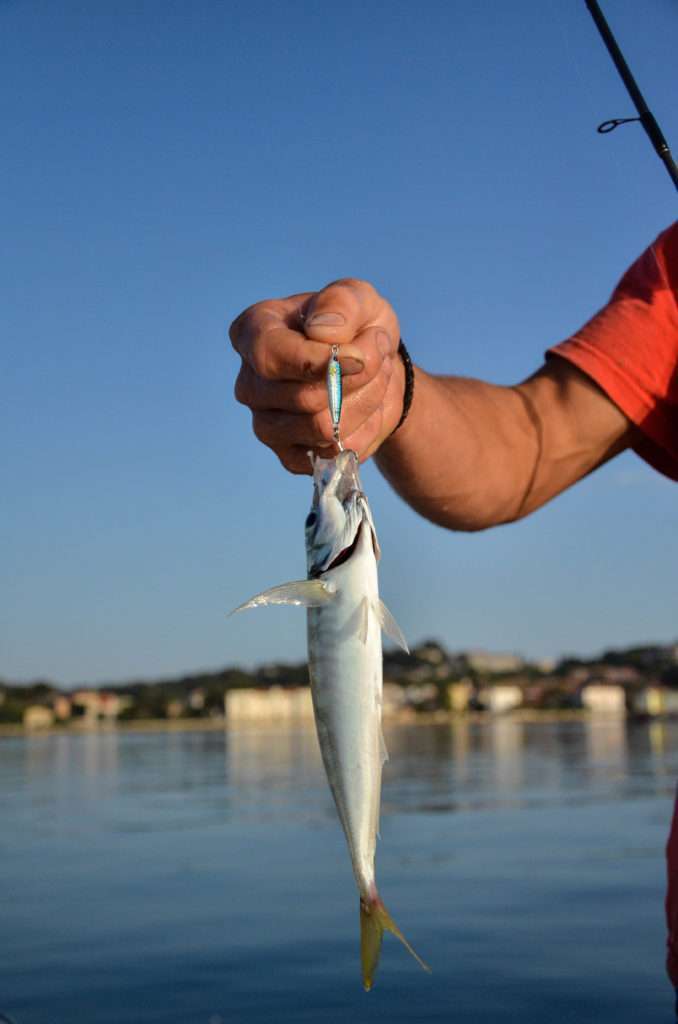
pixel 383 752
pixel 364 620
pixel 390 626
pixel 358 623
pixel 374 921
pixel 309 593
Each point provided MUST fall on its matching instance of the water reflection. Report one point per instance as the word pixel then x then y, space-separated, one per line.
pixel 606 749
pixel 174 876
pixel 464 765
pixel 260 772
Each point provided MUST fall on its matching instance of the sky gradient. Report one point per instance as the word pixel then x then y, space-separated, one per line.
pixel 167 164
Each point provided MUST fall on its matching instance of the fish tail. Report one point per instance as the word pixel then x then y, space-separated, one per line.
pixel 374 921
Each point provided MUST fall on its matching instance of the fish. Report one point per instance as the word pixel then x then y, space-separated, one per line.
pixel 345 620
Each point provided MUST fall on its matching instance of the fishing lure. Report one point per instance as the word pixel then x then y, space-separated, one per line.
pixel 334 393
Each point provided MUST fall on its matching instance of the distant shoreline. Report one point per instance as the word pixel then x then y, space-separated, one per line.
pixel 519 716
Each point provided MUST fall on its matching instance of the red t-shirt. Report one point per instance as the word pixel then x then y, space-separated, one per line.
pixel 630 349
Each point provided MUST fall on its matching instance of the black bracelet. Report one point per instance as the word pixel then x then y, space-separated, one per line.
pixel 409 384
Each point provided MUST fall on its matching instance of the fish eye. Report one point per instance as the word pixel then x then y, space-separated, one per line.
pixel 310 519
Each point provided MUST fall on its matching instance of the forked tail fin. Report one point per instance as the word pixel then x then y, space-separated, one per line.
pixel 374 921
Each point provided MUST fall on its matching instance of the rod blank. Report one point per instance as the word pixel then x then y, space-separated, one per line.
pixel 646 118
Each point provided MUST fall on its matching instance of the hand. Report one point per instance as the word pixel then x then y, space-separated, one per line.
pixel 285 346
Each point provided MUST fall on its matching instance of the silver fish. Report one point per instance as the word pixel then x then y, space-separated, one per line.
pixel 345 621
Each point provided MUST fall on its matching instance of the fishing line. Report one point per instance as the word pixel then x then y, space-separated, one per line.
pixel 645 115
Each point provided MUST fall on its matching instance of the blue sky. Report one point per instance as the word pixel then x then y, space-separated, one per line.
pixel 165 165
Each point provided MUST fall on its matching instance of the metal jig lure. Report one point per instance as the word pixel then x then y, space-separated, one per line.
pixel 334 394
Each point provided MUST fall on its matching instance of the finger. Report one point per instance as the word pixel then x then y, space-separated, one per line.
pixel 375 346
pixel 289 312
pixel 276 352
pixel 344 309
pixel 281 395
pixel 366 439
pixel 275 427
pixel 269 337
pixel 364 442
pixel 360 405
pixel 296 460
pixel 311 396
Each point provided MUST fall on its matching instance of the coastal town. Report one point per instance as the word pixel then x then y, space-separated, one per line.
pixel 637 681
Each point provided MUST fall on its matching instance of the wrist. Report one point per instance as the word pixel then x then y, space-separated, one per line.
pixel 397 406
pixel 394 399
pixel 408 391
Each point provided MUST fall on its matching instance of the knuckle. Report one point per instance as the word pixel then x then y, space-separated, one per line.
pixel 372 359
pixel 310 400
pixel 246 320
pixel 237 326
pixel 240 390
pixel 310 370
pixel 234 328
pixel 355 283
pixel 290 459
pixel 261 428
pixel 365 291
pixel 261 358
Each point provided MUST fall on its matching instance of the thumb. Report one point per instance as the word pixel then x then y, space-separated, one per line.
pixel 341 311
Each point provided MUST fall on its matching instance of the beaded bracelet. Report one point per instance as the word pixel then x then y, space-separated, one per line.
pixel 409 384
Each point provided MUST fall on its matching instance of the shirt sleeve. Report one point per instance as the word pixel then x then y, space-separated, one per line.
pixel 630 349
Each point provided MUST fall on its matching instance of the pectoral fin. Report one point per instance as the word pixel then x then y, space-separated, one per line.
pixel 390 626
pixel 309 593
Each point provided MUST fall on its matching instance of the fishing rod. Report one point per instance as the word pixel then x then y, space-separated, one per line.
pixel 646 117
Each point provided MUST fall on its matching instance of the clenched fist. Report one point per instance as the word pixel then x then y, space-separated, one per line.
pixel 285 344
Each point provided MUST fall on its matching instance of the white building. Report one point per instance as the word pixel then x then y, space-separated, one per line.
pixel 37 716
pixel 604 699
pixel 276 703
pixel 500 699
pixel 93 706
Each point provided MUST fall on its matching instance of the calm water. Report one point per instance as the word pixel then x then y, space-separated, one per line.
pixel 201 877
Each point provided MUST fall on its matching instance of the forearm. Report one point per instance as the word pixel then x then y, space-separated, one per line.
pixel 465 454
pixel 472 455
pixel 469 455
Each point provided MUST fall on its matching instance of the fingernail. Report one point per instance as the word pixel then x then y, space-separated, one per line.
pixel 349 366
pixel 326 320
pixel 383 342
